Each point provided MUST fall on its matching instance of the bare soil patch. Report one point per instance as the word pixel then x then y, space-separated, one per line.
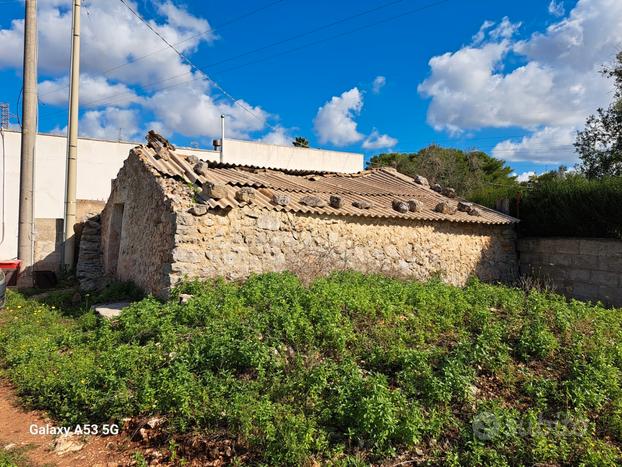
pixel 39 450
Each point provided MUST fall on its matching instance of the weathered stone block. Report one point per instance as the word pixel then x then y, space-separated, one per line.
pixel 192 159
pixel 605 278
pixel 445 208
pixel 449 192
pixel 585 262
pixel 415 205
pixel 463 206
pixel 268 222
pixel 312 201
pixel 198 210
pixel 185 219
pixel 336 201
pixel 362 204
pixel 560 259
pixel 592 247
pixel 184 255
pixel 201 168
pixel 245 195
pixel 421 181
pixel 564 245
pixel 400 206
pixel 213 190
pixel 579 275
pixel 610 263
pixel 280 200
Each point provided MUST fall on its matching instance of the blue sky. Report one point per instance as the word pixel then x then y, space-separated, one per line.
pixel 516 79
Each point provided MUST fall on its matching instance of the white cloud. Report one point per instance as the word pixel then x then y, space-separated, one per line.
pixel 111 35
pixel 182 101
pixel 525 176
pixel 556 8
pixel 481 34
pixel 378 83
pixel 377 141
pixel 550 145
pixel 334 122
pixel 504 30
pixel 110 123
pixel 192 111
pixel 552 92
pixel 279 136
pixel 95 91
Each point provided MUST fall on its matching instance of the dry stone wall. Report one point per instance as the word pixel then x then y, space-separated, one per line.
pixel 238 242
pixel 138 227
pixel 583 268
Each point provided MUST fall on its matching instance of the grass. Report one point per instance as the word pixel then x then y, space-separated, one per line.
pixel 351 370
pixel 14 457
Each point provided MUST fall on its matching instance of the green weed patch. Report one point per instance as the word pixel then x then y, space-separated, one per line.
pixel 353 369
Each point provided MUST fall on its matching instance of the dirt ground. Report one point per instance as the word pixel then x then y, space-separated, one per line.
pixel 47 450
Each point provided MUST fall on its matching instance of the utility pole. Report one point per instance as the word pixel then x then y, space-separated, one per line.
pixel 72 139
pixel 222 138
pixel 29 137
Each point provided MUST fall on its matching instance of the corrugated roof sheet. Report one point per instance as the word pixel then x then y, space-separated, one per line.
pixel 377 186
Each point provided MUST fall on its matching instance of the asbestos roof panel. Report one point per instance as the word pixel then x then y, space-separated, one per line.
pixel 377 186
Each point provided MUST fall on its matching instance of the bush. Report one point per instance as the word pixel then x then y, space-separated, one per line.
pixel 350 370
pixel 573 206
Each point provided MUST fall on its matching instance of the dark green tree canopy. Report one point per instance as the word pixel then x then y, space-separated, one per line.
pixel 468 172
pixel 301 142
pixel 600 144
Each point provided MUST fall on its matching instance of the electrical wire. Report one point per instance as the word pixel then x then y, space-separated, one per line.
pixel 335 36
pixel 248 52
pixel 307 33
pixel 108 99
pixel 194 36
pixel 196 68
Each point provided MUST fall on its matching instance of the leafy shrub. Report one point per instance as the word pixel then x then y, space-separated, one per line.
pixel 572 206
pixel 350 370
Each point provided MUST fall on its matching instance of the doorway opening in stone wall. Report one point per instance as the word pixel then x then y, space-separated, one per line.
pixel 114 236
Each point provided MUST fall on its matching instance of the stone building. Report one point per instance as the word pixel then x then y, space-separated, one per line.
pixel 171 216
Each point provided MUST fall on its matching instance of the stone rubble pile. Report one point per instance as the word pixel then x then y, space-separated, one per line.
pixel 90 270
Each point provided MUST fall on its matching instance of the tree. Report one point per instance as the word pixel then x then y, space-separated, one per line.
pixel 600 144
pixel 301 142
pixel 468 172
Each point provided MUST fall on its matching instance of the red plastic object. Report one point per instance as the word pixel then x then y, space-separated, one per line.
pixel 10 269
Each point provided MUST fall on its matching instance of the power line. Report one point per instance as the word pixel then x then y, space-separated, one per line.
pixel 307 33
pixel 249 52
pixel 309 44
pixel 335 36
pixel 194 36
pixel 193 66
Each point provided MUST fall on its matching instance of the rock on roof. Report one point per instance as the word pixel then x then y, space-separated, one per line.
pixel 373 193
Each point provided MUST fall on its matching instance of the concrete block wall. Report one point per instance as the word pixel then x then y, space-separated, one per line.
pixel 49 234
pixel 583 268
